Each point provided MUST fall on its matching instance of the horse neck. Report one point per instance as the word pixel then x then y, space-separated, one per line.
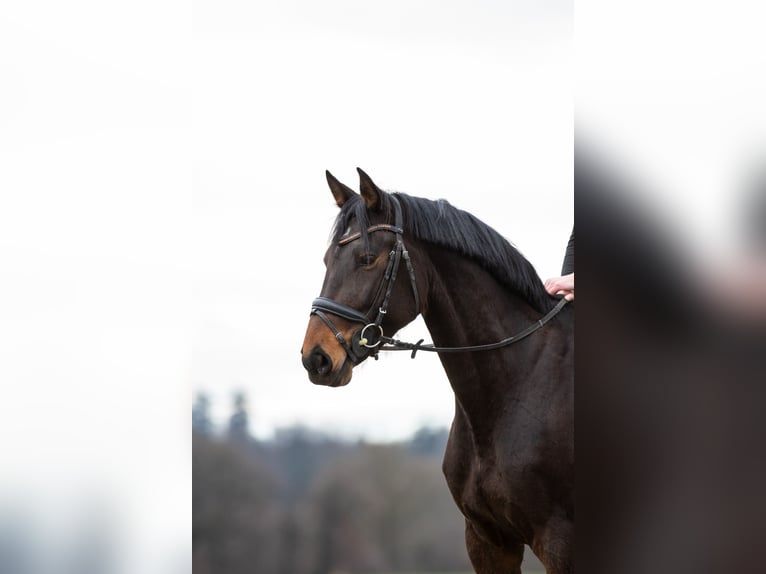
pixel 466 305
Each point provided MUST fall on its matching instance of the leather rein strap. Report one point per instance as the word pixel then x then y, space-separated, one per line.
pixel 367 340
pixel 396 345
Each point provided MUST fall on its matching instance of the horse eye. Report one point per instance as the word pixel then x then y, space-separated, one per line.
pixel 366 259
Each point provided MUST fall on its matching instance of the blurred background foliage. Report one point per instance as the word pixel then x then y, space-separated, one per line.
pixel 305 502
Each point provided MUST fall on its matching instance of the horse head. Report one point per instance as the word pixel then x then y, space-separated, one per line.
pixel 352 314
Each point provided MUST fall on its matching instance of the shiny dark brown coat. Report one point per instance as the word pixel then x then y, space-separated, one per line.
pixel 509 462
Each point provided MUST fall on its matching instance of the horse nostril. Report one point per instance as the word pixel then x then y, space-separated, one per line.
pixel 318 361
pixel 324 363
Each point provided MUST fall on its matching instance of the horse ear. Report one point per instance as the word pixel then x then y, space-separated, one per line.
pixel 341 192
pixel 371 193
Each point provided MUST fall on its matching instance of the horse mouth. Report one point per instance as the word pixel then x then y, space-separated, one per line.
pixel 332 378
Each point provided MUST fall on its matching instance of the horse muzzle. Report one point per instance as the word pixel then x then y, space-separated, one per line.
pixel 321 371
pixel 324 359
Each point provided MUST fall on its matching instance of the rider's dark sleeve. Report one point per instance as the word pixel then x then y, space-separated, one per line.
pixel 568 266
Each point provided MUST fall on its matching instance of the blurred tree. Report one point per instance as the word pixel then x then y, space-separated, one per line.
pixel 239 420
pixel 201 415
pixel 299 453
pixel 344 523
pixel 384 509
pixel 306 503
pixel 235 515
pixel 428 441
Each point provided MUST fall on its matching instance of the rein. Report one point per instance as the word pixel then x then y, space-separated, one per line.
pixel 369 340
pixel 396 345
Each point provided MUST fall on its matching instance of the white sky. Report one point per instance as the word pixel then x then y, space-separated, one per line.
pixel 470 102
pixel 170 210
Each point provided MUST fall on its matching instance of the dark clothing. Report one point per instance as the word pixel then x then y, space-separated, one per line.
pixel 568 266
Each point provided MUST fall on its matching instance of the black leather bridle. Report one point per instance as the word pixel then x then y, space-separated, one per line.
pixel 368 340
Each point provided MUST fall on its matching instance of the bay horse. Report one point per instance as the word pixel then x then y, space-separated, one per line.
pixel 506 346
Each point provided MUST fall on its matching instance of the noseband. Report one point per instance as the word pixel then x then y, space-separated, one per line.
pixel 366 341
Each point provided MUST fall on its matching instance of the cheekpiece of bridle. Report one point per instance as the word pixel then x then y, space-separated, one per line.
pixel 369 340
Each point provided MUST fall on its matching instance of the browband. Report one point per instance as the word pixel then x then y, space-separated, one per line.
pixel 378 227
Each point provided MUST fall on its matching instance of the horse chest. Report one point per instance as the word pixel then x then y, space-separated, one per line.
pixel 488 495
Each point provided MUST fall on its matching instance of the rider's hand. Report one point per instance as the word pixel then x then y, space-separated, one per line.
pixel 561 286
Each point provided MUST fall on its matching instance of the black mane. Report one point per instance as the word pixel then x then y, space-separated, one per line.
pixel 442 224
